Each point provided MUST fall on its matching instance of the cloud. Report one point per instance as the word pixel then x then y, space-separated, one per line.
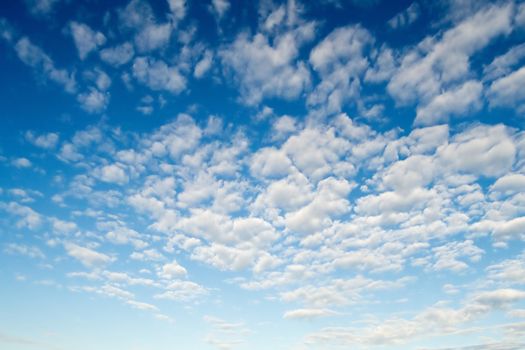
pixel 172 270
pixel 308 313
pixel 36 58
pixel 93 100
pixel 22 249
pixel 493 144
pixel 27 216
pixel 220 7
pixel 462 100
pixel 178 8
pixel 511 183
pixel 117 55
pixel 405 17
pixel 21 163
pixel 502 65
pixel 86 39
pixel 340 60
pixel 265 70
pixel 46 141
pixel 41 7
pixel 444 61
pixel 153 37
pixel 88 257
pixel 204 65
pixel 157 75
pixel 506 92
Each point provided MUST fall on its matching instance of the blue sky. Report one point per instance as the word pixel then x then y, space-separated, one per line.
pixel 262 175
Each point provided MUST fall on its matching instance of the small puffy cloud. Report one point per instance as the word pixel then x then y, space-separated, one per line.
pixel 178 8
pixel 22 249
pixel 508 272
pixel 27 216
pixel 510 183
pixel 308 313
pixel 284 126
pixel 447 255
pixel 264 69
pixel 220 7
pixel 41 7
pixel 463 100
pixel 113 173
pixel 503 64
pixel 142 306
pixel 21 163
pixel 153 37
pixel 203 65
pixel 86 39
pixel 493 146
pixel 93 100
pixel 182 291
pixel 270 162
pixel 172 270
pixel 520 15
pixel 118 55
pixel 405 17
pixel 500 298
pixel 62 226
pixel 88 257
pixel 382 67
pixel 341 60
pixel 46 141
pixel 157 75
pixel 444 60
pixel 508 92
pixel 36 58
pixel 124 235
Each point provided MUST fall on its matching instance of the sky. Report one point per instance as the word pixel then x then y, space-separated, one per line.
pixel 234 175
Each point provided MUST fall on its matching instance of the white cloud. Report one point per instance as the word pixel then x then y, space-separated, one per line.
pixel 88 257
pixel 182 291
pixel 118 55
pixel 142 306
pixel 93 100
pixel 340 60
pixel 86 39
pixel 113 173
pixel 157 75
pixel 153 37
pixel 178 8
pixel 220 7
pixel 264 69
pixel 503 64
pixel 493 146
pixel 329 203
pixel 46 141
pixel 35 57
pixel 22 249
pixel 270 162
pixel 172 270
pixel 21 163
pixel 405 17
pixel 28 217
pixel 510 183
pixel 203 65
pixel 447 255
pixel 520 15
pixel 41 7
pixel 440 62
pixel 308 313
pixel 462 100
pixel 507 91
